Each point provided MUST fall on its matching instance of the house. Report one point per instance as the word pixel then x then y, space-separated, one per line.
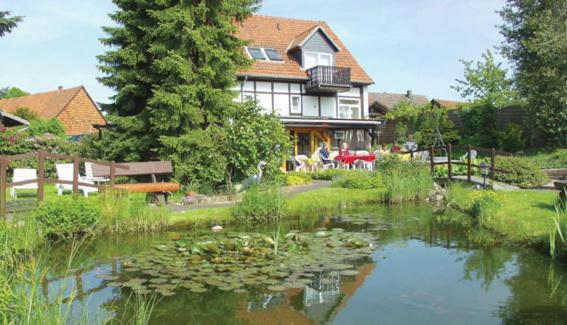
pixel 73 107
pixel 380 103
pixel 448 104
pixel 306 75
pixel 9 120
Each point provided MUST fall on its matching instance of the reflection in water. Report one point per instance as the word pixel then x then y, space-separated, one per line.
pixel 428 268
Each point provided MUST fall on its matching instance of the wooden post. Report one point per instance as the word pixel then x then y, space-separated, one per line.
pixel 112 174
pixel 469 163
pixel 2 188
pixel 75 176
pixel 449 163
pixel 41 176
pixel 493 164
pixel 411 154
pixel 431 160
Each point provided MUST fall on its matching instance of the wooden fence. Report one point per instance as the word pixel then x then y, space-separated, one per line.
pixel 41 180
pixel 450 162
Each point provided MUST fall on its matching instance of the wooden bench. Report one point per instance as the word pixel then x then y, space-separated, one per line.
pixel 157 191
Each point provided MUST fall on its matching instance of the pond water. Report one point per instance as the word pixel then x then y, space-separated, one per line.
pixel 408 265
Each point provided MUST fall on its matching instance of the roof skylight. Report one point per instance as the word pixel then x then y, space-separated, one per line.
pixel 257 54
pixel 273 55
pixel 264 54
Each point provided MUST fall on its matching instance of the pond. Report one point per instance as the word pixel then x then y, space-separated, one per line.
pixel 369 265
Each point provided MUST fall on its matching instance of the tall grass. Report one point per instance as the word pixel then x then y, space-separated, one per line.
pixel 125 213
pixel 406 181
pixel 260 205
pixel 558 235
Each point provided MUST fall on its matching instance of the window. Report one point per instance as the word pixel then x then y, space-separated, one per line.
pixel 349 108
pixel 273 55
pixel 256 53
pixel 313 59
pixel 295 104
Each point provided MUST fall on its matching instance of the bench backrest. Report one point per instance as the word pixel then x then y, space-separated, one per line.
pixel 135 169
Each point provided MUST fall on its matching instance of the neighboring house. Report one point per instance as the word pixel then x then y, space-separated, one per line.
pixel 380 103
pixel 448 104
pixel 9 120
pixel 305 74
pixel 73 107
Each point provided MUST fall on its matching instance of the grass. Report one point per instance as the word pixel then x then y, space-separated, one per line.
pixel 524 216
pixel 545 158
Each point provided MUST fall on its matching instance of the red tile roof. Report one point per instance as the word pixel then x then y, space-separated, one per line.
pixel 284 33
pixel 46 105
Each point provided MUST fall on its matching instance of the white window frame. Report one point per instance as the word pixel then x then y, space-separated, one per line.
pixel 291 107
pixel 319 55
pixel 349 108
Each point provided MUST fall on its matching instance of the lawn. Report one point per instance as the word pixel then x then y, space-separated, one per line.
pixel 524 215
pixel 547 158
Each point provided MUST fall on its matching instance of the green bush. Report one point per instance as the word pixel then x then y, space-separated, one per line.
pixel 50 126
pixel 482 203
pixel 520 172
pixel 328 174
pixel 359 179
pixel 259 205
pixel 64 217
pixel 296 178
pixel 512 138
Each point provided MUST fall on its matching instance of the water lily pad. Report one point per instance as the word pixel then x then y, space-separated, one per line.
pixel 349 272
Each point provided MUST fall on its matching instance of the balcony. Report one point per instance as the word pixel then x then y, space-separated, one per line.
pixel 328 79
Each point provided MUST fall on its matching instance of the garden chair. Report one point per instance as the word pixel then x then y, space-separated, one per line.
pixel 299 163
pixel 325 163
pixel 65 173
pixel 369 165
pixel 90 177
pixel 474 153
pixel 20 175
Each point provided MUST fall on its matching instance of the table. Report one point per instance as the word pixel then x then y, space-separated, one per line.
pixel 347 160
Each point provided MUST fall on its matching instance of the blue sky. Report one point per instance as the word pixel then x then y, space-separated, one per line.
pixel 402 44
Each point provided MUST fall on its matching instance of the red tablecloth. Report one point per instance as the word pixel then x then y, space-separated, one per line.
pixel 351 159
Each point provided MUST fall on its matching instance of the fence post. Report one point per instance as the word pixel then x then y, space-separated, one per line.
pixel 41 176
pixel 2 188
pixel 469 163
pixel 449 157
pixel 493 164
pixel 431 160
pixel 411 154
pixel 75 176
pixel 112 173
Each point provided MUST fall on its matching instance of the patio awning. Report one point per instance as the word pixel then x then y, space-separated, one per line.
pixel 10 120
pixel 330 123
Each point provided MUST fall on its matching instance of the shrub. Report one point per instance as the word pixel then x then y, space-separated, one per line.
pixel 512 138
pixel 64 217
pixel 359 179
pixel 481 203
pixel 50 126
pixel 520 172
pixel 328 174
pixel 259 205
pixel 295 179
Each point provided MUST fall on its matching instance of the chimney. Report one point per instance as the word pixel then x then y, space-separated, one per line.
pixel 278 26
pixel 59 88
pixel 408 93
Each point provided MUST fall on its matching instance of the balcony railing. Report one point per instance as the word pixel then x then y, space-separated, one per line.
pixel 331 78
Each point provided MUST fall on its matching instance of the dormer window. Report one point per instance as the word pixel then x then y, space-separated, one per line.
pixel 273 55
pixel 264 54
pixel 257 54
pixel 313 59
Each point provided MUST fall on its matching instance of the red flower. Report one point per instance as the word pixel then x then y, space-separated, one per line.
pixel 12 139
pixel 2 128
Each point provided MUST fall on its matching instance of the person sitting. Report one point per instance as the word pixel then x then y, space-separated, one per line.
pixel 343 151
pixel 396 148
pixel 410 144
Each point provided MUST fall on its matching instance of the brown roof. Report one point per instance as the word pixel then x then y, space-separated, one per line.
pixel 46 105
pixel 283 34
pixel 450 104
pixel 390 100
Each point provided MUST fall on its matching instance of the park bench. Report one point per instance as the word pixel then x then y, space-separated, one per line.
pixel 157 191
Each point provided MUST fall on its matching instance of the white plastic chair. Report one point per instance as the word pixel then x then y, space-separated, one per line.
pixel 90 176
pixel 299 163
pixel 65 173
pixel 365 164
pixel 20 175
pixel 326 163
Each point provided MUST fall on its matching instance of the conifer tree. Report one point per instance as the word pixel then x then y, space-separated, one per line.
pixel 172 65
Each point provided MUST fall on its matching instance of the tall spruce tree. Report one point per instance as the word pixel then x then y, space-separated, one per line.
pixel 172 65
pixel 535 33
